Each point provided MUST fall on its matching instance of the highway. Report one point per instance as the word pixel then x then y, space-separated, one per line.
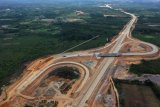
pixel 106 62
pixel 37 74
pixel 155 49
pixel 31 77
pixel 119 42
pixel 89 83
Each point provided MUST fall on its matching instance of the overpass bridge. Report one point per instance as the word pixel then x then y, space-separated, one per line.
pixel 109 55
pixel 115 54
pixel 103 55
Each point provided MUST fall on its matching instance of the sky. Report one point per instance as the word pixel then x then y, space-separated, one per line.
pixel 49 1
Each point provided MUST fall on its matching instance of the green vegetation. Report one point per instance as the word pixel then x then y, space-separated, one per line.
pixel 66 72
pixel 147 29
pixel 28 32
pixel 146 67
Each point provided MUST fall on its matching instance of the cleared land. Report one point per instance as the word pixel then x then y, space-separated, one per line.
pixel 33 31
pixel 147 29
pixel 137 96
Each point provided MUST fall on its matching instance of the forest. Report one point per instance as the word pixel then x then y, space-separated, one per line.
pixel 28 32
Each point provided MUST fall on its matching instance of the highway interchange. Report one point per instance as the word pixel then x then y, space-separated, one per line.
pixel 107 62
pixel 89 83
